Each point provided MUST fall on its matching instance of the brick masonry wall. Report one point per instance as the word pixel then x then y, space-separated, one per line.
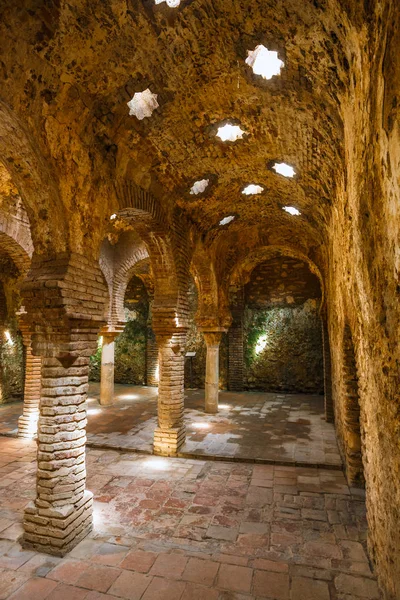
pixel 236 343
pixel 282 328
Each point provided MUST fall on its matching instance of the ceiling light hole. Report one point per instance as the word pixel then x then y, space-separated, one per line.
pixel 170 3
pixel 227 220
pixel 230 133
pixel 143 104
pixel 113 217
pixel 264 62
pixel 199 186
pixel 284 169
pixel 252 189
pixel 291 210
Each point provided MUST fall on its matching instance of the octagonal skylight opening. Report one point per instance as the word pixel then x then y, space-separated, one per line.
pixel 291 210
pixel 252 189
pixel 264 62
pixel 230 133
pixel 113 217
pixel 227 220
pixel 284 169
pixel 170 3
pixel 199 186
pixel 143 104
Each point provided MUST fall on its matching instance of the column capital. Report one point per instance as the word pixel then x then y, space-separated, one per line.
pixel 109 335
pixel 213 338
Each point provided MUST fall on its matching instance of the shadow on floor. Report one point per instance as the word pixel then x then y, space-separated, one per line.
pixel 250 426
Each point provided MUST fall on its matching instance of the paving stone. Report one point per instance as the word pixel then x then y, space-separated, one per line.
pixel 139 560
pixel 200 571
pixel 98 577
pixel 130 585
pixel 357 586
pixel 39 565
pixel 268 584
pixel 304 588
pixel 169 565
pixel 68 570
pixel 34 589
pixel 10 581
pixel 164 589
pixel 234 578
pixel 199 592
pixel 110 554
pixel 99 596
pixel 222 533
pixel 353 551
pixel 67 592
pixel 270 565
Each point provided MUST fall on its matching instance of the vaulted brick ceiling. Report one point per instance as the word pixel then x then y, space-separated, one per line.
pixel 76 66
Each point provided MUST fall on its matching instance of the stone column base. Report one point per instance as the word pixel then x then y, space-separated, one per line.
pixel 57 530
pixel 27 425
pixel 168 441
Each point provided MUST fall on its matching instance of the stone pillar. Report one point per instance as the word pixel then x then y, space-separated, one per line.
pixel 28 421
pixel 107 369
pixel 213 340
pixel 170 433
pixel 328 396
pixel 65 299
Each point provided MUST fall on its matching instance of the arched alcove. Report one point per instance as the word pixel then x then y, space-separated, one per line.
pixel 277 323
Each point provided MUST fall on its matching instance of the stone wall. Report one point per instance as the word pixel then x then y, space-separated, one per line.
pixel 283 349
pixel 364 281
pixel 282 328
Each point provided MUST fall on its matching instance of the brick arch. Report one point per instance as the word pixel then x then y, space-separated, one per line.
pixel 209 313
pixel 21 157
pixel 107 272
pixel 242 271
pixel 121 280
pixel 167 244
pixel 16 241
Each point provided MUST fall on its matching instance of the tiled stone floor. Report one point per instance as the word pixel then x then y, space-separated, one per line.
pixel 178 529
pixel 272 427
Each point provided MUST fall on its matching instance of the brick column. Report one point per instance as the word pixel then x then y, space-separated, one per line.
pixel 170 433
pixel 213 340
pixel 65 301
pixel 152 374
pixel 28 421
pixel 62 512
pixel 236 341
pixel 3 317
pixel 328 396
pixel 107 369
